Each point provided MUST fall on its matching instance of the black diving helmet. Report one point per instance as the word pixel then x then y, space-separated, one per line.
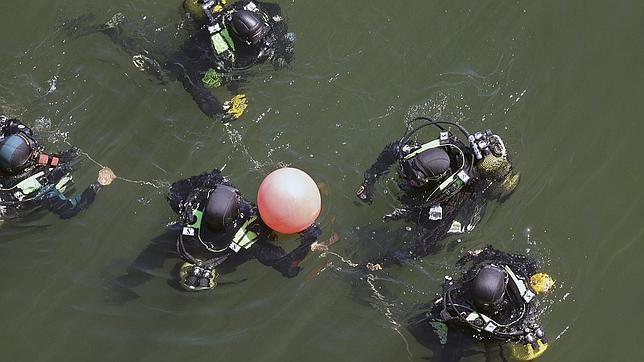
pixel 427 167
pixel 488 288
pixel 222 208
pixel 16 150
pixel 249 26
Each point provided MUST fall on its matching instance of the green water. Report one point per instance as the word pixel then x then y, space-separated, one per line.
pixel 559 81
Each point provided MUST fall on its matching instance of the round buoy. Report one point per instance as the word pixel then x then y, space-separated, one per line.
pixel 288 200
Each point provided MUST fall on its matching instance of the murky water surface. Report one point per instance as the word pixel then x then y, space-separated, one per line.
pixel 561 81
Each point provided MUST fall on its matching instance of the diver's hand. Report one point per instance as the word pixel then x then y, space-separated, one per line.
pixel 106 176
pixel 364 194
pixel 69 155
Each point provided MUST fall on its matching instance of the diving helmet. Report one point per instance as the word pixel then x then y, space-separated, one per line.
pixel 222 208
pixel 15 152
pixel 429 166
pixel 488 288
pixel 249 26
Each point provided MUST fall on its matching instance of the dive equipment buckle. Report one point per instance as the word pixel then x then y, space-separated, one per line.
pixel 250 6
pixel 436 212
pixel 444 137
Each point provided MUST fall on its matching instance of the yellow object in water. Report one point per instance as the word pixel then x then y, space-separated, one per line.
pixel 236 106
pixel 541 283
pixel 194 8
pixel 524 352
pixel 219 7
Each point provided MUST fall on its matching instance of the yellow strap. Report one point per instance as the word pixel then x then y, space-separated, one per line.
pixel 423 148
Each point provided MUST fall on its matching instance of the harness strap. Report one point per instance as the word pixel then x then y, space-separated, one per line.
pixel 244 238
pixel 423 148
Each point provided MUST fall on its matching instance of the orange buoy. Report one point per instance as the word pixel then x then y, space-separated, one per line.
pixel 288 200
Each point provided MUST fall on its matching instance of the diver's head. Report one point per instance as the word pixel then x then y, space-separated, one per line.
pixel 429 166
pixel 222 208
pixel 249 26
pixel 15 152
pixel 488 288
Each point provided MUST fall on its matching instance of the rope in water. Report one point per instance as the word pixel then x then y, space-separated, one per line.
pixel 138 182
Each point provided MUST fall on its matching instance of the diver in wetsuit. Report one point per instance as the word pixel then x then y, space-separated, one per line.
pixel 31 179
pixel 228 39
pixel 218 225
pixel 494 301
pixel 445 182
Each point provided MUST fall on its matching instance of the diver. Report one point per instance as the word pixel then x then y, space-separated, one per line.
pixel 444 182
pixel 31 179
pixel 217 227
pixel 225 42
pixel 495 301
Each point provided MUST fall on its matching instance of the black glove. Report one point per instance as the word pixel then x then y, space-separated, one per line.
pixel 69 155
pixel 290 268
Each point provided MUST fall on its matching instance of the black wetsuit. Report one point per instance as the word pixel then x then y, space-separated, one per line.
pixel 195 189
pixel 53 180
pixel 460 213
pixel 196 56
pixel 453 340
